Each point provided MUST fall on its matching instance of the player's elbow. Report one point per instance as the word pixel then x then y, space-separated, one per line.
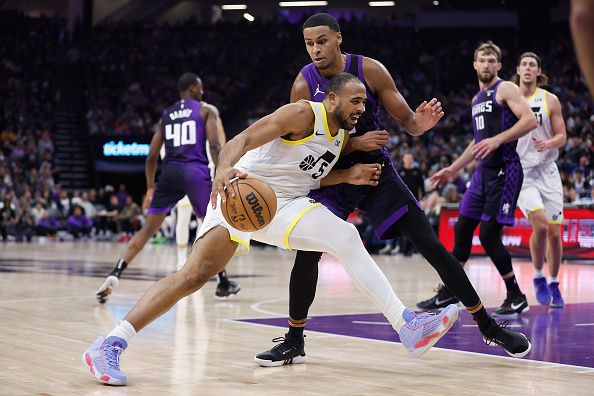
pixel 214 147
pixel 151 159
pixel 563 140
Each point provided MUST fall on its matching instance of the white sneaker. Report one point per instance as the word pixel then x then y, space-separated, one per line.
pixel 110 283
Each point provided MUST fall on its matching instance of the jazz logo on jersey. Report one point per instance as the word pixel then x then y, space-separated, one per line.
pixel 309 162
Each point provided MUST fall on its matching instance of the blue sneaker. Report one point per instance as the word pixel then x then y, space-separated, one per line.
pixel 103 360
pixel 557 300
pixel 543 295
pixel 423 330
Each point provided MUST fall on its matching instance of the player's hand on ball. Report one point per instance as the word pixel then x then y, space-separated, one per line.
pixel 222 181
pixel 147 198
pixel 365 174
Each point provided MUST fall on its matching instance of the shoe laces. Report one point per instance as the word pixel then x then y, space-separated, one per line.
pixel 499 334
pixel 112 355
pixel 420 317
pixel 284 344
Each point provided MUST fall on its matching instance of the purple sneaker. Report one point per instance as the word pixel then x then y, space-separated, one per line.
pixel 103 360
pixel 423 330
pixel 543 295
pixel 557 300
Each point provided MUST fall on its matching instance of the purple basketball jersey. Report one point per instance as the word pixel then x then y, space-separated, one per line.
pixel 490 118
pixel 184 135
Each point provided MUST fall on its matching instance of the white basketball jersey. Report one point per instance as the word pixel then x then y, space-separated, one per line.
pixel 529 156
pixel 294 168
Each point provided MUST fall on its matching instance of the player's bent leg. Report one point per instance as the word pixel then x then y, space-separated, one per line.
pixel 209 256
pixel 414 225
pixel 134 246
pixel 320 230
pixel 290 349
pixel 515 302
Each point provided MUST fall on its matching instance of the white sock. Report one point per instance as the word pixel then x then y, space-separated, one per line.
pixel 182 255
pixel 124 330
pixel 539 273
pixel 554 279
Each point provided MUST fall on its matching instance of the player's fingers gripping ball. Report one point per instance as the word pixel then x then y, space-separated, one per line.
pixel 253 206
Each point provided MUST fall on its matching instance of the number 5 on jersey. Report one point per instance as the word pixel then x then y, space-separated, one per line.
pixel 182 134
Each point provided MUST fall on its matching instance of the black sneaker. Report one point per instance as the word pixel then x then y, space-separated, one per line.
pixel 515 344
pixel 442 299
pixel 512 306
pixel 226 292
pixel 289 351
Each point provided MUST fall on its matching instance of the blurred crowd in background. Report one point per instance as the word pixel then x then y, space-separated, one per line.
pixel 247 69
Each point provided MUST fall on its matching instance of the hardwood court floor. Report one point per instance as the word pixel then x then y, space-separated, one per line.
pixel 48 316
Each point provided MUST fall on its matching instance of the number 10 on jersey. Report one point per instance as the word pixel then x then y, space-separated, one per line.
pixel 182 134
pixel 480 122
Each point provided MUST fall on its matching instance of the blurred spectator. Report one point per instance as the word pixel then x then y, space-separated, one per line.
pixel 128 220
pixel 78 224
pixel 48 225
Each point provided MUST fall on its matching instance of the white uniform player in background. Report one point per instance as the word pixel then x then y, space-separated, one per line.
pixel 541 197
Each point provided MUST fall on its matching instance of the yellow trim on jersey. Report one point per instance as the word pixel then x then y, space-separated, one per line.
pixel 556 222
pixel 530 99
pixel 240 241
pixel 294 222
pixel 325 123
pixel 535 209
pixel 546 105
pixel 342 141
pixel 300 141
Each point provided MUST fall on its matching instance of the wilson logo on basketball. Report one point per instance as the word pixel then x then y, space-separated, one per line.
pixel 256 207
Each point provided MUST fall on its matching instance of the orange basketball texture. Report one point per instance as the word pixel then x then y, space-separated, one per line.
pixel 253 206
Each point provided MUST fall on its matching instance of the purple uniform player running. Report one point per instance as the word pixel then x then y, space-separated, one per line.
pixel 185 129
pixel 500 117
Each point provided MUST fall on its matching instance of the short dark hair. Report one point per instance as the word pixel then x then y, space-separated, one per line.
pixel 322 19
pixel 186 81
pixel 338 82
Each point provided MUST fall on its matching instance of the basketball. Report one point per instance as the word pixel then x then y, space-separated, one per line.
pixel 253 206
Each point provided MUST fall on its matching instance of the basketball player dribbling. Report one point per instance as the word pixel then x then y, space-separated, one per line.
pixel 500 116
pixel 391 207
pixel 272 149
pixel 185 129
